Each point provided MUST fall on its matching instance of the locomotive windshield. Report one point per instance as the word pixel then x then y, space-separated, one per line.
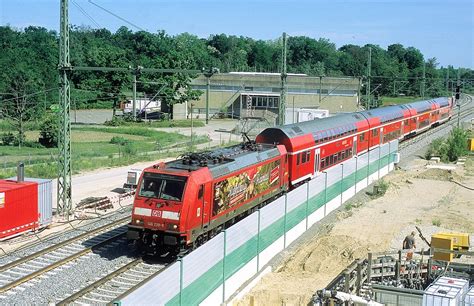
pixel 162 186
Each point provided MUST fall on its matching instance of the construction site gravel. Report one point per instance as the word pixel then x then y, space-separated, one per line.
pixel 416 196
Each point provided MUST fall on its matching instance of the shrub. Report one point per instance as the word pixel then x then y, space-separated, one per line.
pixel 456 144
pixel 49 132
pixel 436 148
pixel 380 188
pixel 32 144
pixel 450 149
pixel 116 121
pixel 436 222
pixel 129 149
pixel 8 139
pixel 119 140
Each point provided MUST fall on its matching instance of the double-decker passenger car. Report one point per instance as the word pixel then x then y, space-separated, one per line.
pixel 314 146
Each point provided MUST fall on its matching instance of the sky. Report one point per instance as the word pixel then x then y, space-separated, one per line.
pixel 439 28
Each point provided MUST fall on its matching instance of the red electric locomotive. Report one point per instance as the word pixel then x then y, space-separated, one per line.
pixel 181 204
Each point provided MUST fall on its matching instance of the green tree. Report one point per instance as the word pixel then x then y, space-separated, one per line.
pixel 456 144
pixel 49 130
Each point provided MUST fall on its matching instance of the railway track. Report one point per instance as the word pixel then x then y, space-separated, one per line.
pixel 34 266
pixel 109 288
pixel 467 111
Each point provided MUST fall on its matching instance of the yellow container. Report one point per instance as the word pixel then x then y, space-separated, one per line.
pixel 445 243
pixel 471 144
pixel 460 240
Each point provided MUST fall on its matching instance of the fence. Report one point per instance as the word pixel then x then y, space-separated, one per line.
pixel 214 271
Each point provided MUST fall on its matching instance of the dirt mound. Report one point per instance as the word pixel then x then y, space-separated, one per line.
pixel 438 174
pixel 308 270
pixel 326 254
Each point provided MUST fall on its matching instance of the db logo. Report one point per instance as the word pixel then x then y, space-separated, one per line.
pixel 156 213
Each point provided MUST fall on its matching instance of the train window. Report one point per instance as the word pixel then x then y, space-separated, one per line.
pixel 335 158
pixel 343 154
pixel 303 158
pixel 361 137
pixel 327 161
pixel 201 192
pixel 339 156
pixel 323 163
pixel 331 160
pixel 374 132
pixel 297 159
pixel 308 155
pixel 162 186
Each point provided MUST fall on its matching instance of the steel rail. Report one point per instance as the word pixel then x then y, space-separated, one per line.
pixel 100 282
pixel 61 244
pixel 56 247
pixel 58 263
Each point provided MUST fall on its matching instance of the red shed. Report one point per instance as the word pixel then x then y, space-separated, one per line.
pixel 18 207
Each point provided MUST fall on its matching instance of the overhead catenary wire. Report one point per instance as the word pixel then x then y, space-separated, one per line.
pixel 83 11
pixel 117 16
pixel 30 95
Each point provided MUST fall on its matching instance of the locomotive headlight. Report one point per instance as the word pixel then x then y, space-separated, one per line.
pixel 139 222
pixel 172 227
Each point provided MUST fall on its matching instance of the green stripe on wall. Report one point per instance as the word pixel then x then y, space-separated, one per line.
pixel 271 233
pixel 240 257
pixel 316 202
pixel 333 191
pixel 201 288
pixel 295 216
pixel 348 181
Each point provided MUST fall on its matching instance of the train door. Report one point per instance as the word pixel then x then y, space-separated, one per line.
pixel 373 137
pixel 317 161
pixel 206 200
pixel 354 146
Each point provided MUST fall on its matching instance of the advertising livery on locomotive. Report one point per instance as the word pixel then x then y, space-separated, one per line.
pixel 183 203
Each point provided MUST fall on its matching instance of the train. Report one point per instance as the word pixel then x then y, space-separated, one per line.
pixel 181 204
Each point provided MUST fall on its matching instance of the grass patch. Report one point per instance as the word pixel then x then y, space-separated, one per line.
pixel 436 222
pixel 5 126
pixel 155 123
pixel 399 100
pixel 93 148
pixel 379 189
pixel 168 123
pixel 161 138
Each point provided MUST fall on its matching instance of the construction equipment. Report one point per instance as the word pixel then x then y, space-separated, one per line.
pixel 422 237
pixel 450 242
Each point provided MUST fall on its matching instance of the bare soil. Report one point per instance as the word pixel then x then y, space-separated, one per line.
pixel 416 197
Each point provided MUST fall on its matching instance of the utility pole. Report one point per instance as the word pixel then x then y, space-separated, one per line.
pixel 208 90
pixel 369 67
pixel 423 81
pixel 447 81
pixel 192 104
pixel 320 88
pixel 64 140
pixel 134 101
pixel 208 75
pixel 282 105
